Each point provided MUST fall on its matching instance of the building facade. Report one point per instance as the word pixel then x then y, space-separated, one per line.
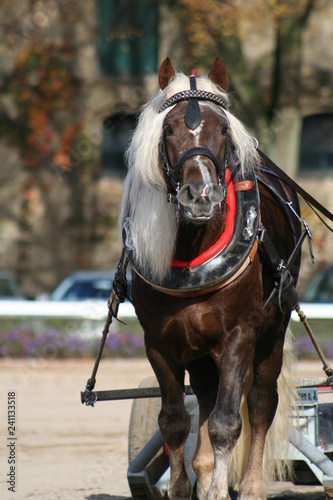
pixel 73 78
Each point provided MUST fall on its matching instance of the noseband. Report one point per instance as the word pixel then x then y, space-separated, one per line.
pixel 193 120
pixel 173 172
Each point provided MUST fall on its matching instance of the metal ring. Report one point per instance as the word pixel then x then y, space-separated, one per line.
pixel 90 398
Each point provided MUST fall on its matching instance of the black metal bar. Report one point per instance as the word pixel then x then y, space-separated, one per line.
pixel 137 476
pixel 91 397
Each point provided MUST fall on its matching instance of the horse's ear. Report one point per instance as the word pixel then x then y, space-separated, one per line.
pixel 218 74
pixel 165 73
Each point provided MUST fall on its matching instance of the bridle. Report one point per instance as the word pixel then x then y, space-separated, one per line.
pixel 193 120
pixel 173 172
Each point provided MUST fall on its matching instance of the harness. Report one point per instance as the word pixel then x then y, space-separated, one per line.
pixel 236 248
pixel 229 257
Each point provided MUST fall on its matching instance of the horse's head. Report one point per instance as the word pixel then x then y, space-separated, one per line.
pixel 196 145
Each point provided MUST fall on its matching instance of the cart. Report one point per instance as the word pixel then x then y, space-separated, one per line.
pixel 310 447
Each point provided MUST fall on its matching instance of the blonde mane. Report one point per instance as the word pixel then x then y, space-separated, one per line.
pixel 150 219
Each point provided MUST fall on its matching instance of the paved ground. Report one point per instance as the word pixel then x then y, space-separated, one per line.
pixel 67 451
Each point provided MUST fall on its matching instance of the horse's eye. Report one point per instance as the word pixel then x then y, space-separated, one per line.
pixel 168 130
pixel 224 130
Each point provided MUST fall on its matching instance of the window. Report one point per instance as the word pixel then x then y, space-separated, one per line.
pixel 128 38
pixel 117 131
pixel 89 289
pixel 7 288
pixel 316 143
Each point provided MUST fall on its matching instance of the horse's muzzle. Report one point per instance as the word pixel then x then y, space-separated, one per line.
pixel 200 200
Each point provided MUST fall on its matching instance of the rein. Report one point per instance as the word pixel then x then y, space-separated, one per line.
pixel 312 202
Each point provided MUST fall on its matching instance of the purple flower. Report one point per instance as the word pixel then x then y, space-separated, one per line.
pixel 26 342
pixel 329 349
pixel 305 348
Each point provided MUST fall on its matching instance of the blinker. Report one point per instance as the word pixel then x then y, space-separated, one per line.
pixel 193 113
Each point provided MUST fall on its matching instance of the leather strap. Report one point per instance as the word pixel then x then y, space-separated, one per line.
pixel 194 152
pixel 253 250
pixel 243 186
pixel 307 197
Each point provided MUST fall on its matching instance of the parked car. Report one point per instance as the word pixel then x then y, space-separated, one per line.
pixel 320 287
pixel 85 285
pixel 8 288
pixel 82 295
pixel 317 304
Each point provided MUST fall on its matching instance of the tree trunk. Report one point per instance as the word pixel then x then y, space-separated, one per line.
pixel 285 120
pixel 278 123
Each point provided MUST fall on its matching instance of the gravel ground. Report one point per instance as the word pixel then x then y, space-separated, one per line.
pixel 64 450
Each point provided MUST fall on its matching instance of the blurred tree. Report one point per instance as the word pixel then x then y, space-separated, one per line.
pixel 224 29
pixel 46 129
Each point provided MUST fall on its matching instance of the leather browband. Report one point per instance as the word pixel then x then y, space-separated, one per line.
pixel 201 95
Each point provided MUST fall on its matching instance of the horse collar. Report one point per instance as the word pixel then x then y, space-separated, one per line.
pixel 229 257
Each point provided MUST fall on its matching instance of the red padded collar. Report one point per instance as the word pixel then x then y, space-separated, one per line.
pixel 225 236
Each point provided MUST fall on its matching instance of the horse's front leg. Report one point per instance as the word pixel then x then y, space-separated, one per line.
pixel 225 422
pixel 174 421
pixel 204 378
pixel 262 403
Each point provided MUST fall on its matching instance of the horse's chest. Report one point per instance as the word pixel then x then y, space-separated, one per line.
pixel 193 331
pixel 190 328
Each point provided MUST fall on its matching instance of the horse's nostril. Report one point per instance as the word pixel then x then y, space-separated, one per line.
pixel 199 194
pixel 190 194
pixel 217 194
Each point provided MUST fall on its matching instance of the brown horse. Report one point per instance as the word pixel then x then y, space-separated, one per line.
pixel 196 199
